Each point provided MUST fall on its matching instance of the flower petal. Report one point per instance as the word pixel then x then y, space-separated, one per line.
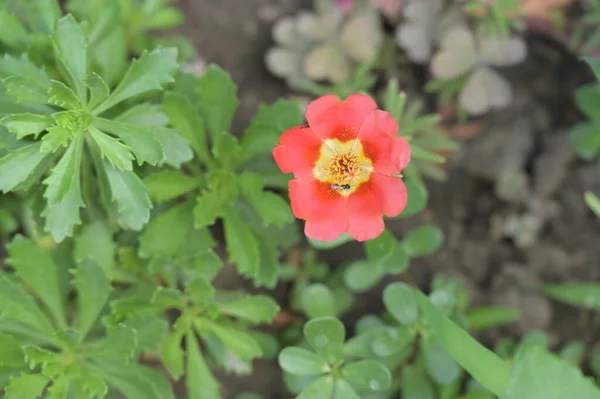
pixel 391 193
pixel 324 209
pixel 388 154
pixel 365 220
pixel 297 151
pixel 331 118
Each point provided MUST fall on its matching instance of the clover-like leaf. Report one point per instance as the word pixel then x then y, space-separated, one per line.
pixel 326 335
pixel 456 55
pixel 486 89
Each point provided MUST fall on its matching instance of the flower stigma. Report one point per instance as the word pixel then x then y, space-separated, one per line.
pixel 343 165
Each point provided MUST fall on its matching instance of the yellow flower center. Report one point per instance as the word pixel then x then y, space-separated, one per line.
pixel 344 165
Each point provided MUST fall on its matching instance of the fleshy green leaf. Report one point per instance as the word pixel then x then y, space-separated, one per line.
pixel 140 139
pixel 537 374
pixel 267 125
pixel 99 90
pixel 186 120
pixel 416 385
pixel 343 390
pixel 588 100
pixel 442 368
pixel 401 302
pixel 93 290
pixel 166 185
pixel 242 247
pixel 321 388
pixel 368 375
pixel 326 335
pixel 118 154
pixel 94 242
pixel 217 99
pixel 26 386
pixel 167 232
pixel 425 240
pixel 200 382
pixel 238 342
pixel 317 301
pixel 300 361
pixel 362 275
pixel 485 366
pixel 149 72
pixel 131 196
pixel 585 295
pixel 26 90
pixel 63 193
pixel 417 197
pixel 37 269
pixel 172 354
pixel 254 308
pixel 491 316
pixel 18 305
pixel 63 96
pixel 25 124
pixel 70 49
pixel 12 31
pixel 11 353
pixel 343 239
pixel 585 139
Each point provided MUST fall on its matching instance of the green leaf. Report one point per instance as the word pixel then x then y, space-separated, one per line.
pixel 254 308
pixel 167 233
pixel 588 100
pixel 135 381
pixel 150 72
pixel 217 99
pixel 321 388
pixel 26 90
pixel 585 295
pixel 238 342
pixel 574 352
pixel 17 304
pixel 12 31
pixel 272 208
pixel 186 120
pixel 242 247
pixel 300 361
pixel 176 147
pixel 141 139
pixel 37 269
pixel 62 96
pixel 144 114
pixel 537 374
pixel 26 386
pixel 11 353
pixel 326 335
pixel 394 340
pixel 58 136
pixel 167 185
pixel 343 390
pixel 70 49
pixel 322 245
pixel 423 241
pixel 226 150
pixel 172 354
pixel 484 365
pixel 131 196
pixel 317 301
pixel 63 193
pixel 368 375
pixel 593 202
pixel 401 302
pixel 99 90
pixel 94 242
pixel 200 382
pixel 415 384
pixel 22 66
pixel 25 124
pixel 440 366
pixel 118 346
pixel 267 125
pixel 362 275
pixel 417 197
pixel 207 210
pixel 491 316
pixel 585 139
pixel 93 290
pixel 118 154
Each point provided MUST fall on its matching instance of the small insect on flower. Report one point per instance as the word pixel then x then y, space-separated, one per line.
pixel 346 162
pixel 340 186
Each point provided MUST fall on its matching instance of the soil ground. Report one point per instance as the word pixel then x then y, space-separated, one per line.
pixel 541 233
